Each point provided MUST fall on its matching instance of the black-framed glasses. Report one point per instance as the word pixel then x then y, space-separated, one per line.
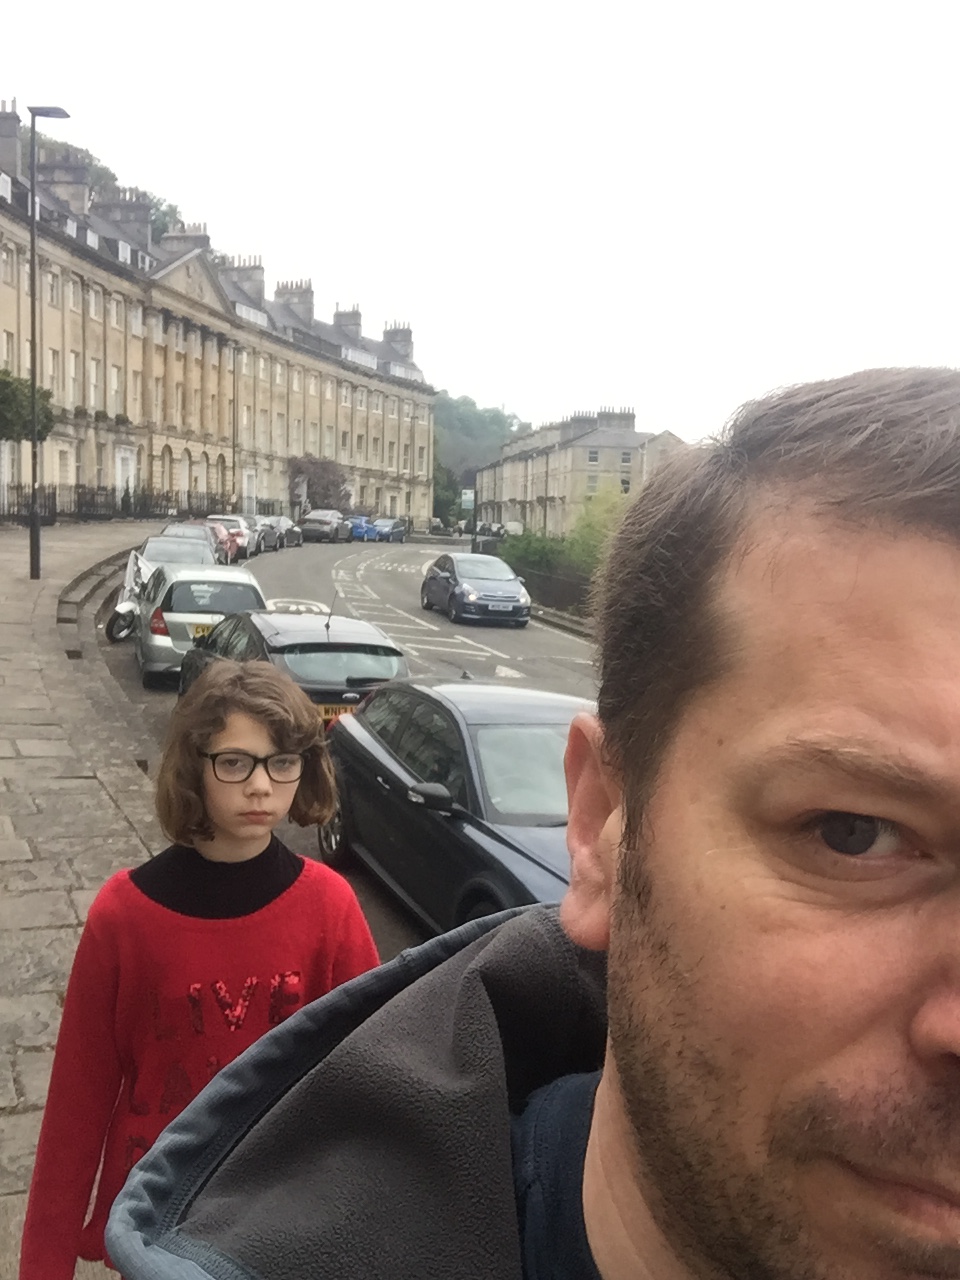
pixel 237 766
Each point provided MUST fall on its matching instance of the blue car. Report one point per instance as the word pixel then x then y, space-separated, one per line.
pixel 390 530
pixel 362 530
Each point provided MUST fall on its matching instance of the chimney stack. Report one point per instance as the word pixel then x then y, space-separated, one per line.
pixel 401 337
pixel 11 160
pixel 248 274
pixel 185 237
pixel 67 175
pixel 348 321
pixel 130 211
pixel 298 296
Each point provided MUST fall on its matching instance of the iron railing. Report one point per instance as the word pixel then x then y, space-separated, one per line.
pixel 102 502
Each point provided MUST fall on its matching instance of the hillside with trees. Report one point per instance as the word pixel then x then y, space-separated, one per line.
pixel 468 437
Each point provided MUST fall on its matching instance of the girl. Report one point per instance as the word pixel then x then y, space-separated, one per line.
pixel 186 960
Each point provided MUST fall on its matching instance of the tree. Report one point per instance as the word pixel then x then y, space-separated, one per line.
pixel 15 417
pixel 446 493
pixel 164 216
pixel 326 483
pixel 468 437
pixel 595 526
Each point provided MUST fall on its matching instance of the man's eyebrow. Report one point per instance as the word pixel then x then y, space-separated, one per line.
pixel 862 763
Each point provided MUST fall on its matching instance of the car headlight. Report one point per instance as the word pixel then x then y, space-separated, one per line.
pixel 471 595
pixel 524 596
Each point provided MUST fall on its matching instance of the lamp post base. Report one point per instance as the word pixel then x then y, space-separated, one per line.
pixel 34 543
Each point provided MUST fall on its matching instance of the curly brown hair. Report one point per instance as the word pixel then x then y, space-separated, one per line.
pixel 260 691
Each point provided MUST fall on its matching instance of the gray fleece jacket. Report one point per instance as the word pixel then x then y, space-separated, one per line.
pixel 369 1135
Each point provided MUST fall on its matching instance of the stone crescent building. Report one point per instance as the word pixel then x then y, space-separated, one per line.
pixel 544 478
pixel 171 372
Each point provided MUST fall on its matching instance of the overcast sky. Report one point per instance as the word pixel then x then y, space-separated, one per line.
pixel 670 206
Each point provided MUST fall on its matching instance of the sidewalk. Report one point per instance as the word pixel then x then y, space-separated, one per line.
pixel 74 808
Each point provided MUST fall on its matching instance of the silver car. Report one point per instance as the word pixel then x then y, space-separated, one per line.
pixel 178 605
pixel 325 526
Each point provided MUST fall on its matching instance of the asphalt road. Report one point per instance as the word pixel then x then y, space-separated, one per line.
pixel 381 583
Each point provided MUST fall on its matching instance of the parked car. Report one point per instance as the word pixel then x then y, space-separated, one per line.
pixel 242 533
pixel 390 530
pixel 336 660
pixel 325 526
pixel 165 550
pixel 215 536
pixel 290 534
pixel 179 604
pixel 362 529
pixel 265 533
pixel 475 586
pixel 453 794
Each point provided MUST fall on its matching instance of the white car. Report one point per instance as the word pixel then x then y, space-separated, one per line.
pixel 180 604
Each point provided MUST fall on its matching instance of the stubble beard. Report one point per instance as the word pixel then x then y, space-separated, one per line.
pixel 722 1219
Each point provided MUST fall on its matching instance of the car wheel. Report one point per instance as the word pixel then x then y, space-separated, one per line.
pixel 521 622
pixel 477 910
pixel 452 611
pixel 336 536
pixel 150 680
pixel 334 850
pixel 277 545
pixel 120 626
pixel 425 602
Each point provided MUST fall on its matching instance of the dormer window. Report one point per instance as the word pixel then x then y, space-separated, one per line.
pixel 123 251
pixel 93 240
pixel 70 227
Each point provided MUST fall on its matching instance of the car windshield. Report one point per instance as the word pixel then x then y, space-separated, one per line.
pixel 343 664
pixel 384 524
pixel 521 768
pixel 212 597
pixel 487 567
pixel 229 523
pixel 323 515
pixel 176 551
pixel 186 531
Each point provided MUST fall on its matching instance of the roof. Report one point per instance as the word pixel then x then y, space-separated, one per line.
pixel 282 629
pixel 504 704
pixel 210 573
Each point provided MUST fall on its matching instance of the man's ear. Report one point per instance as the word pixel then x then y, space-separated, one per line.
pixel 593 835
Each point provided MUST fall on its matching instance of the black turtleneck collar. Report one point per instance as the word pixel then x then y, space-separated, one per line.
pixel 182 880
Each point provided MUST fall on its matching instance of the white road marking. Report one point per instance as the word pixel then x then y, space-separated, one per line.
pixel 508 673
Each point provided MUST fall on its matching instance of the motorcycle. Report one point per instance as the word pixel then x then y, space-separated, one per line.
pixel 122 621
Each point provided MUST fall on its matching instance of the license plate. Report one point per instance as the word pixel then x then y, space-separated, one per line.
pixel 500 608
pixel 202 629
pixel 330 713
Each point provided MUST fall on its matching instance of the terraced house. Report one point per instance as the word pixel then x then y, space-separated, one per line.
pixel 175 380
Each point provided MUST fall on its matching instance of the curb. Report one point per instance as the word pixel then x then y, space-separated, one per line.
pixel 582 627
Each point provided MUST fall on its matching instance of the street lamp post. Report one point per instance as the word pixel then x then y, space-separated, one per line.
pixel 56 113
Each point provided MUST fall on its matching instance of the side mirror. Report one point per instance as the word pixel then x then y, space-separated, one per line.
pixel 523 580
pixel 432 796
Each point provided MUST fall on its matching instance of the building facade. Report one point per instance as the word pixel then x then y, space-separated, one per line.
pixel 544 478
pixel 172 372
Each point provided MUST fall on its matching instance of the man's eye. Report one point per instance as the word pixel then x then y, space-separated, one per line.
pixel 854 834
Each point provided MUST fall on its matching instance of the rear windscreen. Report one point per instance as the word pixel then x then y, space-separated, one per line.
pixel 212 597
pixel 343 664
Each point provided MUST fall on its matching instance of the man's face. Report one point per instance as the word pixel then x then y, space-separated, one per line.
pixel 785 945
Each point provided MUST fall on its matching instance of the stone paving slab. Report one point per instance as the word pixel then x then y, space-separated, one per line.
pixel 74 808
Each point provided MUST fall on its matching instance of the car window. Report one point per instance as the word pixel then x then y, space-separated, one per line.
pixel 487 568
pixel 154 584
pixel 430 747
pixel 176 551
pixel 244 643
pixel 220 637
pixel 344 664
pixel 521 771
pixel 212 597
pixel 384 714
pixel 443 565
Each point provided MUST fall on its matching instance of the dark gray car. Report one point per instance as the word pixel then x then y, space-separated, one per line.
pixel 464 586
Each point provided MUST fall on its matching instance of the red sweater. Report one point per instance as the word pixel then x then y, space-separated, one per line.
pixel 156 1004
